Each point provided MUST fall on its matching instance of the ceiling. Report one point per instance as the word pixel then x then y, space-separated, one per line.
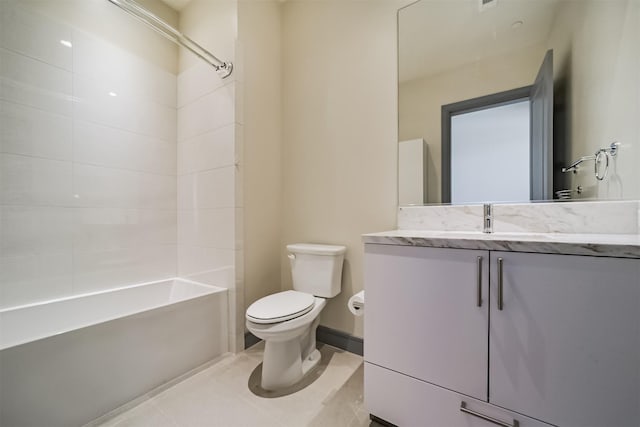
pixel 439 35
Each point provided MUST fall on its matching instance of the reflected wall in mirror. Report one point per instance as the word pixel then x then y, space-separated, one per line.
pixel 452 51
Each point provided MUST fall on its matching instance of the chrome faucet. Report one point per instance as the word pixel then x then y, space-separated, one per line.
pixel 487 220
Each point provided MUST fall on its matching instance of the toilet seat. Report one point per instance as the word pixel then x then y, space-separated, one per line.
pixel 280 307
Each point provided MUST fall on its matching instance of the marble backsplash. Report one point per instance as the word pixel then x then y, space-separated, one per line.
pixel 598 217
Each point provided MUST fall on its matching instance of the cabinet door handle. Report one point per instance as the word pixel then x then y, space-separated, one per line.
pixel 463 408
pixel 500 284
pixel 479 282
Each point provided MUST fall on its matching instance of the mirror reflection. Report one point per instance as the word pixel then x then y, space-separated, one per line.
pixel 478 122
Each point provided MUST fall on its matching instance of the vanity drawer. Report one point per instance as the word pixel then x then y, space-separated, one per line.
pixel 406 401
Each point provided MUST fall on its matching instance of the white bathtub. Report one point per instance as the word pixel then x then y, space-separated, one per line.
pixel 68 361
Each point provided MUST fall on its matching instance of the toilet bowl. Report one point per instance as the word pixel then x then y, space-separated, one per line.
pixel 290 347
pixel 287 321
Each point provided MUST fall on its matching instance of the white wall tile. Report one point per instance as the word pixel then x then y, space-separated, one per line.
pixel 207 113
pixel 123 111
pixel 88 186
pixel 121 71
pixel 31 82
pixel 196 82
pixel 237 186
pixel 34 35
pixel 26 230
pixel 96 186
pixel 239 267
pixel 238 216
pixel 121 267
pixel 207 190
pixel 29 131
pixel 106 146
pixel 35 278
pixel 111 214
pixel 101 229
pixel 203 261
pixel 222 277
pixel 238 142
pixel 207 227
pixel 33 181
pixel 207 151
pixel 238 96
pixel 207 175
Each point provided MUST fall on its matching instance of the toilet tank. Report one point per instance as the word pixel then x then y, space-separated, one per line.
pixel 316 269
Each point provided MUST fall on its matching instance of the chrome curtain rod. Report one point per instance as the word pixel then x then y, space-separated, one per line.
pixel 223 68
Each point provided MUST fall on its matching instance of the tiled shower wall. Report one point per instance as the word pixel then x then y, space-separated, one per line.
pixel 207 171
pixel 206 176
pixel 87 161
pixel 210 199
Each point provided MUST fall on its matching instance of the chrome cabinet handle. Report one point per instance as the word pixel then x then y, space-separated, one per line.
pixel 500 285
pixel 463 408
pixel 479 282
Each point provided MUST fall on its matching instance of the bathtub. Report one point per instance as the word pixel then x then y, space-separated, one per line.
pixel 68 361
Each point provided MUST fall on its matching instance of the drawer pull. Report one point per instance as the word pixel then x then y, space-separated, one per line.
pixel 479 284
pixel 500 285
pixel 463 408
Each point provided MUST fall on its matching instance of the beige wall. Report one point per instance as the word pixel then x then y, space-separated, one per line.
pixel 596 52
pixel 213 25
pixel 420 100
pixel 259 57
pixel 339 133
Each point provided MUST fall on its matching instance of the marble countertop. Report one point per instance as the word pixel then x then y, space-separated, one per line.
pixel 611 245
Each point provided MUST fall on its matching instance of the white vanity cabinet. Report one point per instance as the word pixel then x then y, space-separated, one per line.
pixel 537 338
pixel 427 322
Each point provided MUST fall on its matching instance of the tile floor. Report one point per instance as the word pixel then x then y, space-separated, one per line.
pixel 228 393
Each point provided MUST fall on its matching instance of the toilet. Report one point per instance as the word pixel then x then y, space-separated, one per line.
pixel 287 321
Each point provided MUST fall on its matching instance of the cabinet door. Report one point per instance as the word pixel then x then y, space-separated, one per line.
pixel 565 348
pixel 422 314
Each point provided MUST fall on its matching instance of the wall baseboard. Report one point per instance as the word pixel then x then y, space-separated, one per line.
pixel 341 340
pixel 325 335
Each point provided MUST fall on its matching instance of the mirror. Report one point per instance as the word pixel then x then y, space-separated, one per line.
pixel 451 52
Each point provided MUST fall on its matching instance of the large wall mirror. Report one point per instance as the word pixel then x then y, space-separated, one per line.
pixel 498 97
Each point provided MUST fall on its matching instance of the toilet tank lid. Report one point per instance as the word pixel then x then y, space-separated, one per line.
pixel 315 249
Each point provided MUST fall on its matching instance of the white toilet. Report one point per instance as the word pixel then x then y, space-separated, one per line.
pixel 287 321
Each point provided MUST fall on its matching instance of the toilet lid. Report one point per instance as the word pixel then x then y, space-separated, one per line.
pixel 280 307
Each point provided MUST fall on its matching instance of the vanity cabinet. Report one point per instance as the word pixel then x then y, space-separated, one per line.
pixel 427 323
pixel 537 338
pixel 566 345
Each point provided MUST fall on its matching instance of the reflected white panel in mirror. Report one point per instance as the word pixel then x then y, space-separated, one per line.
pixel 490 154
pixel 412 172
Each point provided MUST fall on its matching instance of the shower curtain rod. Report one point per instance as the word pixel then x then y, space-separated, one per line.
pixel 223 68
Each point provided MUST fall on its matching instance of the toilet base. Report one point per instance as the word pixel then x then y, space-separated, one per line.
pixel 286 362
pixel 311 362
pixel 282 365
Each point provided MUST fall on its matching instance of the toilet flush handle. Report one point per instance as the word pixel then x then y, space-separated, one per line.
pixel 292 257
